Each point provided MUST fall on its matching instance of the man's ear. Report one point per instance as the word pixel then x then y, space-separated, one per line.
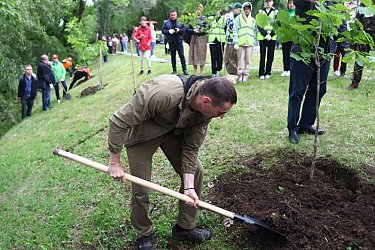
pixel 206 100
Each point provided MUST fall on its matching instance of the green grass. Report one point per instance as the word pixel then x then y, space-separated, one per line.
pixel 47 202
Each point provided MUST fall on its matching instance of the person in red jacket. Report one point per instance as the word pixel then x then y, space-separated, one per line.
pixel 143 34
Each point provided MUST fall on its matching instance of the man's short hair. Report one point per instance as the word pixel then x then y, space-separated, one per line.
pixel 221 91
pixel 44 57
pixel 172 10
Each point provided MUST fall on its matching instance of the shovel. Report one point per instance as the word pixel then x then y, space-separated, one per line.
pixel 172 193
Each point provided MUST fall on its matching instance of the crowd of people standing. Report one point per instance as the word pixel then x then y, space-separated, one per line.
pixel 230 35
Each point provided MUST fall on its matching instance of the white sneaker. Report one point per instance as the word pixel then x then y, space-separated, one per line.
pixel 337 73
pixel 261 77
pixel 218 73
pixel 268 76
pixel 283 74
pixel 240 79
pixel 244 78
pixel 287 73
pixel 58 101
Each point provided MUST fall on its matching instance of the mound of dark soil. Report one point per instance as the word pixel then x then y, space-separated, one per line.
pixel 91 90
pixel 335 210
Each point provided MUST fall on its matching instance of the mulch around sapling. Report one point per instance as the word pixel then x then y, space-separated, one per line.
pixel 335 210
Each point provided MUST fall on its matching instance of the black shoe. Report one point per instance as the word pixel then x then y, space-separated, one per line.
pixel 185 72
pixel 195 235
pixel 174 72
pixel 149 71
pixel 310 130
pixel 145 243
pixel 352 86
pixel 141 72
pixel 293 137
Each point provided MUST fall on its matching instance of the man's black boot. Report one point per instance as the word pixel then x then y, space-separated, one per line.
pixel 310 130
pixel 293 137
pixel 145 243
pixel 195 235
pixel 186 73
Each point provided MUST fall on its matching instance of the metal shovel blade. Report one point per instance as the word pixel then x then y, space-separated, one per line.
pixel 249 220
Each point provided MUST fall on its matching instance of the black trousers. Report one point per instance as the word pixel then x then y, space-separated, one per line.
pixel 179 47
pixel 302 87
pixel 216 51
pixel 78 75
pixel 266 47
pixel 286 47
pixel 27 106
pixel 57 89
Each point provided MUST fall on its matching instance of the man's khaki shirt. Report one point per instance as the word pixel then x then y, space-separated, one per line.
pixel 160 107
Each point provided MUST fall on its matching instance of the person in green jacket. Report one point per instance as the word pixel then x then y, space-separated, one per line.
pixel 169 114
pixel 59 72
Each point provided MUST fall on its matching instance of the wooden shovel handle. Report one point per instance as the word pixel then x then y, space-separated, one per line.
pixel 143 183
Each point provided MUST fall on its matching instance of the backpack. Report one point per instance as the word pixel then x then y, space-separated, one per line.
pixel 188 82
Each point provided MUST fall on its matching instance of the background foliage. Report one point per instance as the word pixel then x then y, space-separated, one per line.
pixel 31 28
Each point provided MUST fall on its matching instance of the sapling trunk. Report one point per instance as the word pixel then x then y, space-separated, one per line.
pixel 317 63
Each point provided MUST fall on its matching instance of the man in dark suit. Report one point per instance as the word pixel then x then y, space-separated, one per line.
pixel 45 81
pixel 27 86
pixel 173 31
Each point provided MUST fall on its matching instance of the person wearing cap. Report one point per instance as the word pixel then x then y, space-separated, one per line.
pixel 244 35
pixel 216 41
pixel 27 91
pixel 173 115
pixel 267 41
pixel 46 80
pixel 198 43
pixel 143 34
pixel 68 65
pixel 174 31
pixel 59 73
pixel 230 54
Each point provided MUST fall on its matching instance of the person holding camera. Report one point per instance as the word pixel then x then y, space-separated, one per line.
pixel 174 34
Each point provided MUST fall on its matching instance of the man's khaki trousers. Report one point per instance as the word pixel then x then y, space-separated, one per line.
pixel 140 162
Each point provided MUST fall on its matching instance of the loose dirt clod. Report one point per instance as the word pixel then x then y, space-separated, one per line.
pixel 335 210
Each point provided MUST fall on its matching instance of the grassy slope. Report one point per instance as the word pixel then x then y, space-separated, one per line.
pixel 49 202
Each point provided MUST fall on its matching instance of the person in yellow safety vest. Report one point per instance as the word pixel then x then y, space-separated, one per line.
pixel 230 54
pixel 216 40
pixel 244 36
pixel 267 41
